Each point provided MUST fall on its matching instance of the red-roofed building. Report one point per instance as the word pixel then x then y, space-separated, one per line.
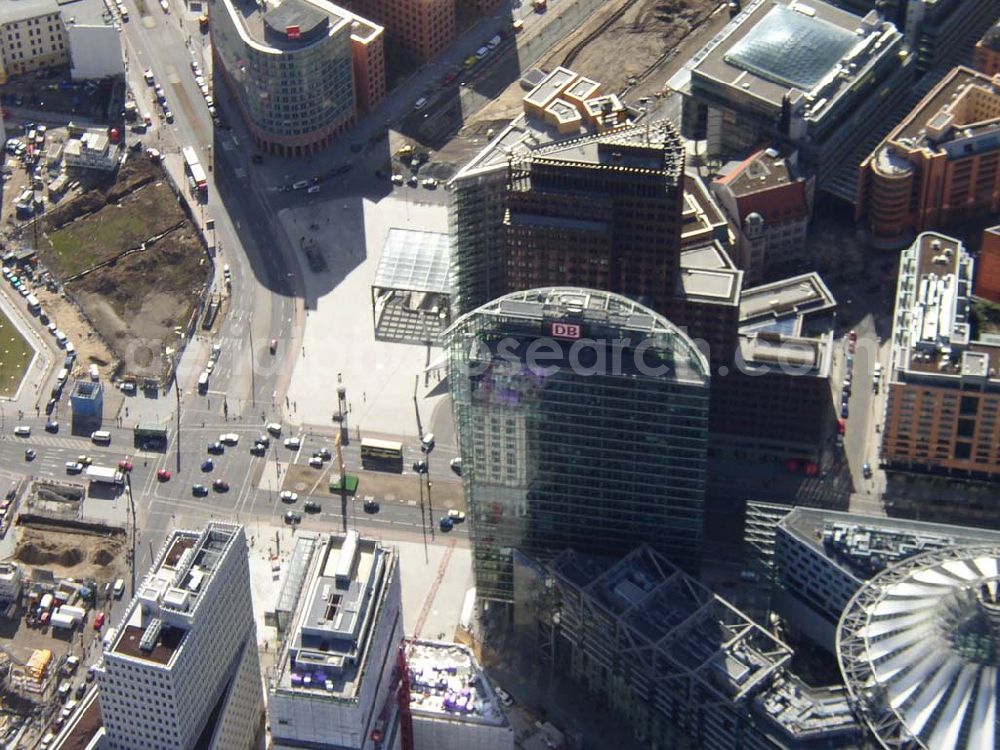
pixel 768 208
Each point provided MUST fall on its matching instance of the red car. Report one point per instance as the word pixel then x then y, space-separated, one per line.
pixel 125 465
pixel 99 621
pixel 163 475
pixel 449 78
pixel 220 485
pixel 841 426
pixel 274 346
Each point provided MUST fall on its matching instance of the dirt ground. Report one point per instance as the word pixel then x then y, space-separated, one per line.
pixel 72 554
pixel 656 34
pixel 648 29
pixel 136 302
pixel 90 349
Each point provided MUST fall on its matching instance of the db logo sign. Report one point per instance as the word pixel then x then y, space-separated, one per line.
pixel 565 331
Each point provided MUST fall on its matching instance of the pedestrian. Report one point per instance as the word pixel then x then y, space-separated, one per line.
pixel 303 351
pixel 126 411
pixel 364 397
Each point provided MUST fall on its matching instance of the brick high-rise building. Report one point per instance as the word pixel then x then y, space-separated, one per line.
pixel 424 27
pixel 940 165
pixel 988 267
pixel 943 387
pixel 986 58
pixel 301 71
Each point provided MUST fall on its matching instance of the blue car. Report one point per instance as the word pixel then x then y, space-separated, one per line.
pixel 446 523
pixel 207 465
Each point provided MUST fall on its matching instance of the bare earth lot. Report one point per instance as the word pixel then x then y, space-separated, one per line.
pixel 70 554
pixel 133 262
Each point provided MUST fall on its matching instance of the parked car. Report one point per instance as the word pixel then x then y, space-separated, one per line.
pixel 207 465
pixel 867 470
pixel 293 443
pixel 258 449
pixel 220 485
pixel 274 428
pixel 229 438
pixel 446 523
pixel 52 426
pixel 456 515
pixel 456 465
pixel 199 490
pixel 287 496
pixel 99 620
pixel 316 462
pixel 216 448
pixel 163 475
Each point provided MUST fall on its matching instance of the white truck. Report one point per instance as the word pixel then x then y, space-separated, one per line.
pixel 61 620
pixel 105 474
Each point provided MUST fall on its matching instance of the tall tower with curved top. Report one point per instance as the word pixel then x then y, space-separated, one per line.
pixel 582 421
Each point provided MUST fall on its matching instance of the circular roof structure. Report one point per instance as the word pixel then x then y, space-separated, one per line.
pixel 919 648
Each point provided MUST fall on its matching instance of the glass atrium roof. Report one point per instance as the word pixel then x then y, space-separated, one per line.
pixel 791 48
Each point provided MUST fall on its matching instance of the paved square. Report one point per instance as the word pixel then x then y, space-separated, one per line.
pixel 339 341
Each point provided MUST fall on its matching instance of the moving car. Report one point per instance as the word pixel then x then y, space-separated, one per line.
pixel 287 496
pixel 216 448
pixel 99 620
pixel 258 449
pixel 456 465
pixel 73 467
pixel 420 103
pixel 397 179
pixel 274 428
pixel 867 470
pixel 207 465
pixel 229 438
pixel 22 430
pixel 293 443
pixel 300 185
pixel 323 453
pixel 29 454
pixel 119 588
pixel 446 523
pixel 52 426
pixel 371 506
pixel 274 348
pixel 126 465
pixel 456 515
pixel 505 697
pixel 316 462
pixel 85 460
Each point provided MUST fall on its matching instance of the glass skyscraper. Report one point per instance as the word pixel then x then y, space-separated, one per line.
pixel 582 422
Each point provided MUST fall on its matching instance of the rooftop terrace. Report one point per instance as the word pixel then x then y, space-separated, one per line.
pixel 158 619
pixel 932 323
pixel 327 644
pixel 446 681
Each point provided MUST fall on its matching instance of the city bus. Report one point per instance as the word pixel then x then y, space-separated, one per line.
pixel 195 171
pixel 385 455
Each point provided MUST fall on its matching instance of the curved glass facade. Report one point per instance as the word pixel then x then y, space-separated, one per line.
pixel 597 443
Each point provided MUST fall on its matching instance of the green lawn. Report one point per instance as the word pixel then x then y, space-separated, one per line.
pixel 15 355
pixel 89 241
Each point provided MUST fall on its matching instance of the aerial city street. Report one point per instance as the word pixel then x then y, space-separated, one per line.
pixel 499 374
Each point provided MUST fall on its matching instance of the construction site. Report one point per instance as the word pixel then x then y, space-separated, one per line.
pixel 56 592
